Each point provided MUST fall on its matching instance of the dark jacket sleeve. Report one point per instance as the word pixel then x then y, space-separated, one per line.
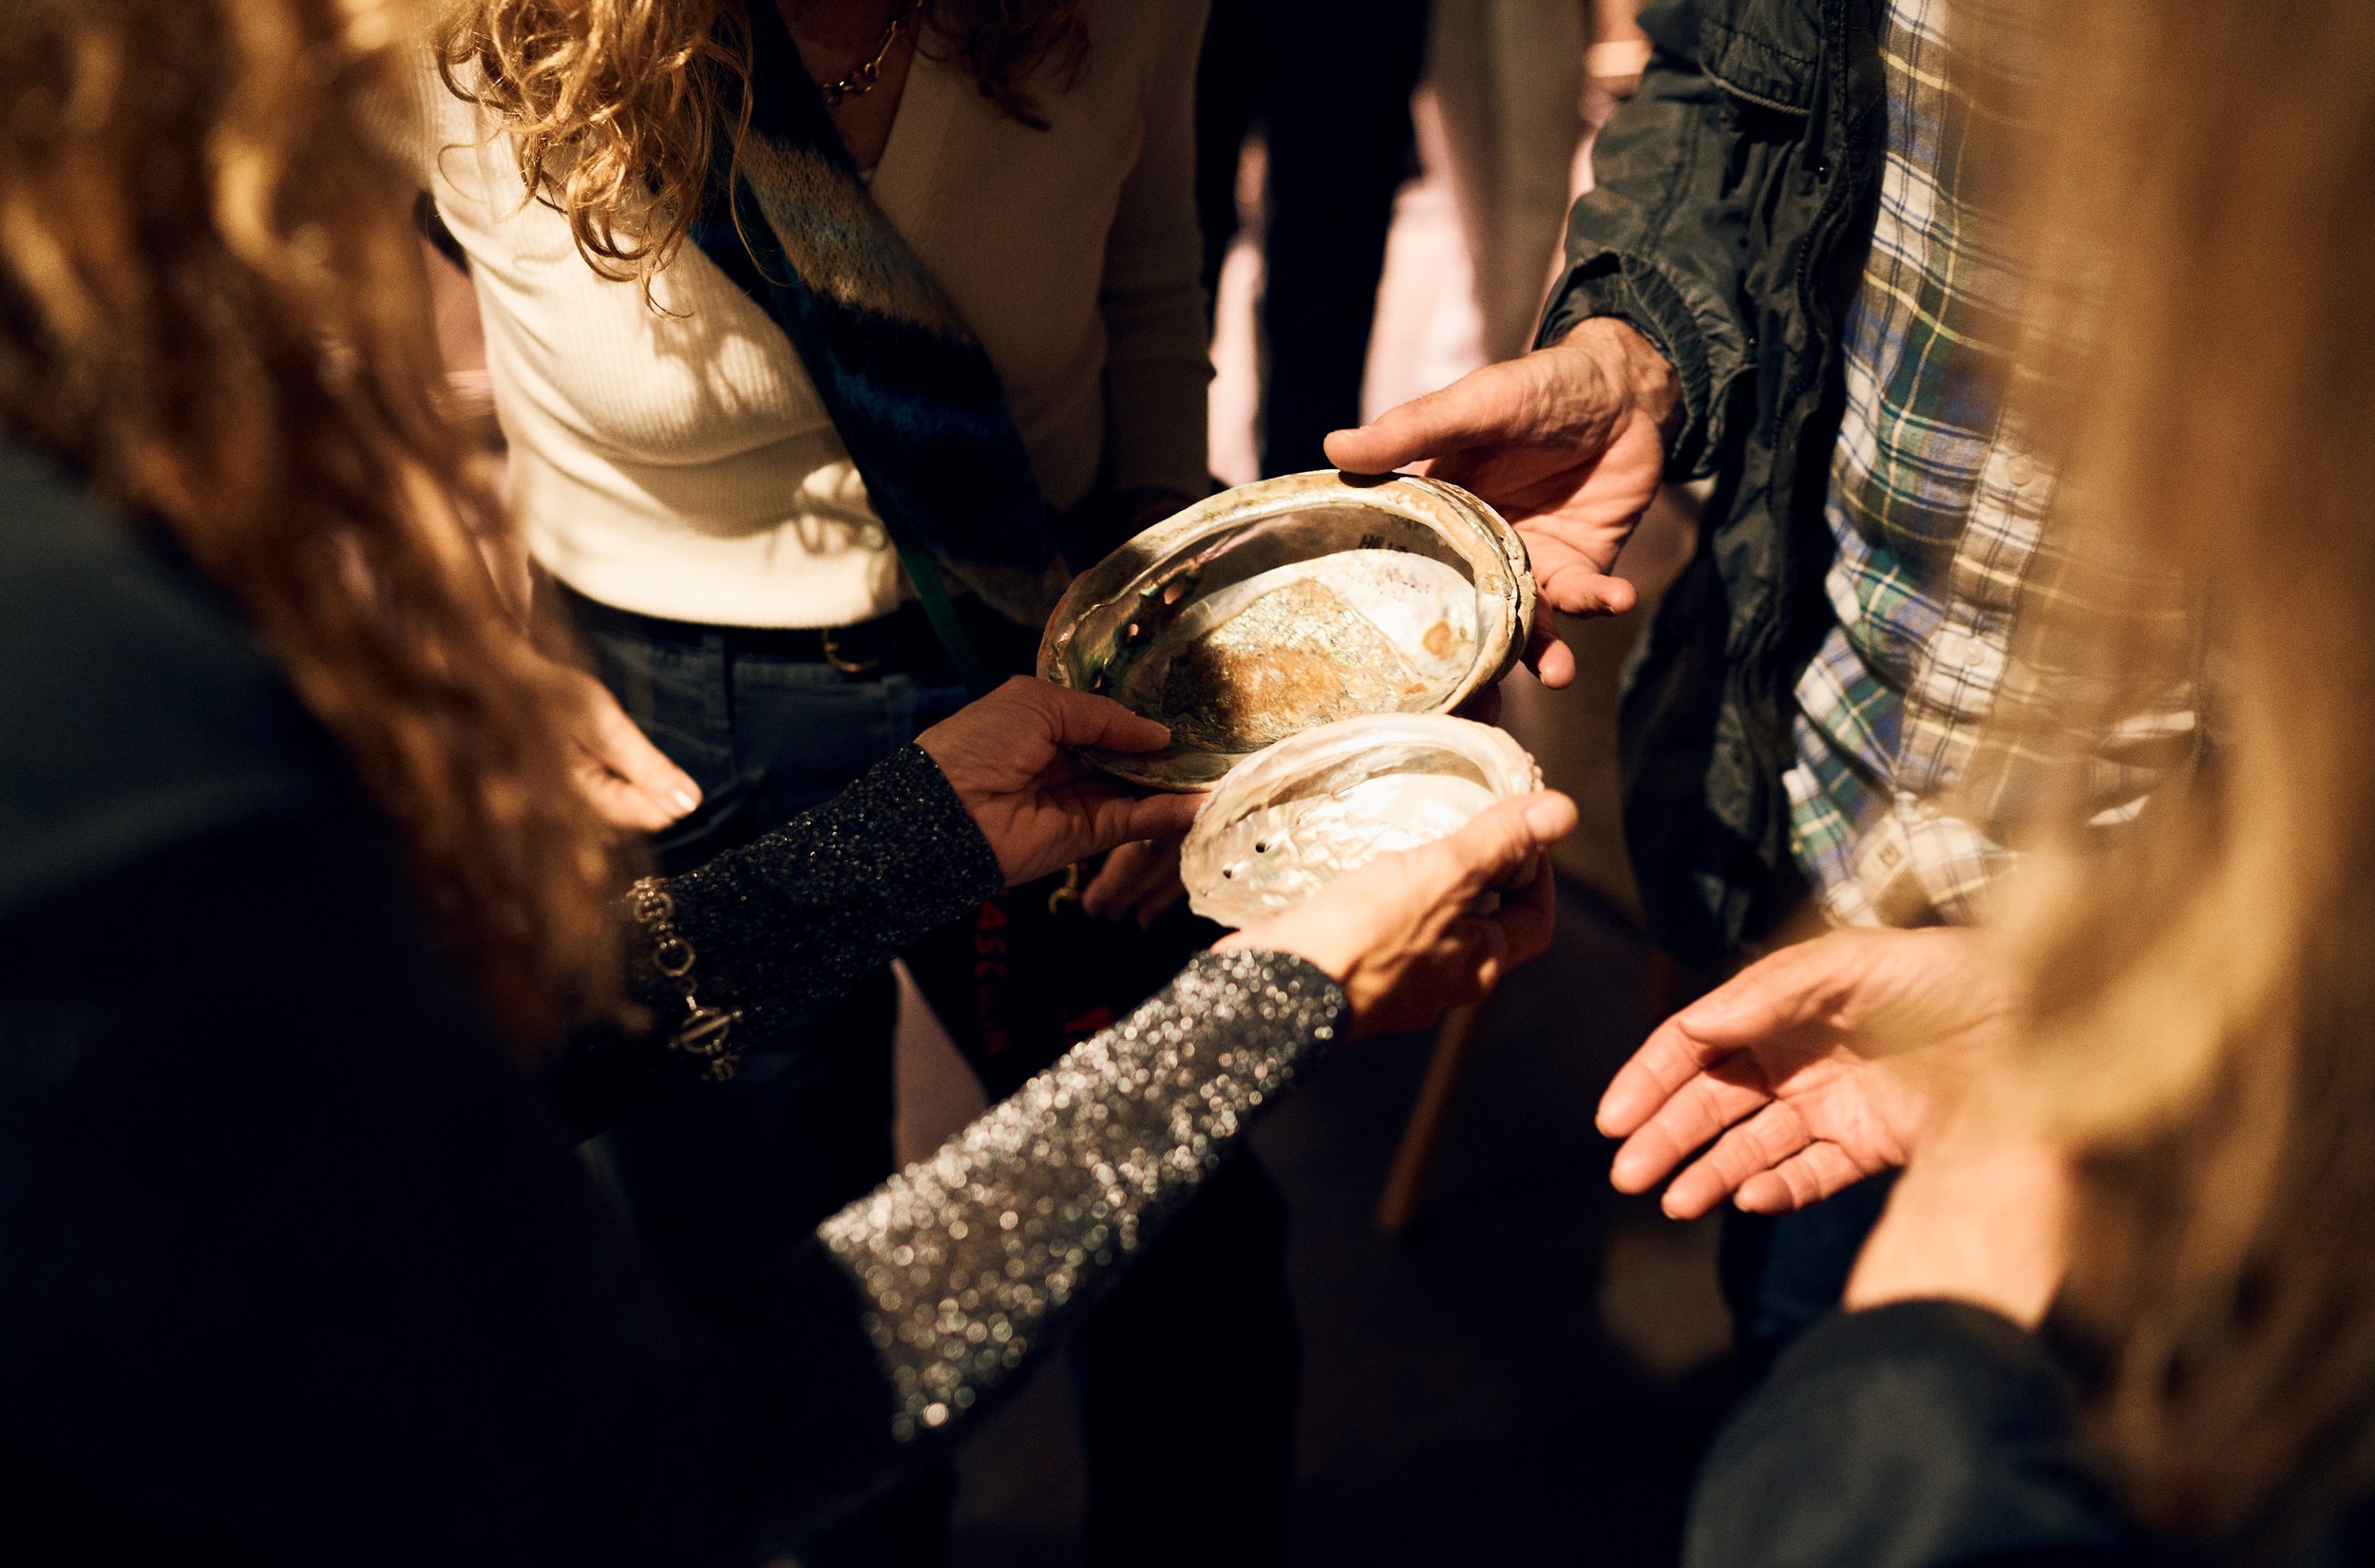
pixel 1927 1434
pixel 1661 240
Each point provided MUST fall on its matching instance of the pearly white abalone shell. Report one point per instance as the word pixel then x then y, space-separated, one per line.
pixel 1293 818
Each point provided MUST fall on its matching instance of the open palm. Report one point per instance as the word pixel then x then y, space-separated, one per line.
pixel 1574 515
pixel 1787 1069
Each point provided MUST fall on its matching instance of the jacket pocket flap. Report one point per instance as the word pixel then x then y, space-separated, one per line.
pixel 1763 53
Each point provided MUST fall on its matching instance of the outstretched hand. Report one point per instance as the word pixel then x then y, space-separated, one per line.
pixel 1009 758
pixel 1782 1066
pixel 1568 442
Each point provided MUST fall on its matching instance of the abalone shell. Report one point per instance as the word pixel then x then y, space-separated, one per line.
pixel 1292 819
pixel 1301 601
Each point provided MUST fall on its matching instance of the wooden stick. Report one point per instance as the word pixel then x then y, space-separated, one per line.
pixel 1406 1182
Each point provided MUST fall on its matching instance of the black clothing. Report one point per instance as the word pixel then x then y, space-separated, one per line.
pixel 1329 84
pixel 1782 1274
pixel 298 1265
pixel 1731 215
pixel 1927 1434
pixel 1923 1433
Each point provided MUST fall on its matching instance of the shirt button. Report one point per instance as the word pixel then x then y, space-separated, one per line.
pixel 2020 472
pixel 1955 647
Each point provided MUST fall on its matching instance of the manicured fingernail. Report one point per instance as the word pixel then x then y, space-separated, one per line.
pixel 1547 818
pixel 685 800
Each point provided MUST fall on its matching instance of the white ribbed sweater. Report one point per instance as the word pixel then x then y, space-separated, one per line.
pixel 679 463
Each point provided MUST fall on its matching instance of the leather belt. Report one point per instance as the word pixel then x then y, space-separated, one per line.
pixel 901 643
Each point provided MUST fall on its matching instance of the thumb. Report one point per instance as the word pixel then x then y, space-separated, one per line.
pixel 1496 845
pixel 1155 817
pixel 1481 406
pixel 1080 718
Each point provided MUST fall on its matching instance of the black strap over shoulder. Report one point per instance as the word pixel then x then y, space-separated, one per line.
pixel 911 392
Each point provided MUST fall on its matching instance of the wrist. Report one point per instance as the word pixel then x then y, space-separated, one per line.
pixel 1981 1223
pixel 1638 365
pixel 1337 967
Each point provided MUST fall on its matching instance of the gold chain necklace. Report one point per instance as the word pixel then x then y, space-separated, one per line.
pixel 863 79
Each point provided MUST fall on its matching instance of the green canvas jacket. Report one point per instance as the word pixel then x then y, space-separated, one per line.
pixel 1732 208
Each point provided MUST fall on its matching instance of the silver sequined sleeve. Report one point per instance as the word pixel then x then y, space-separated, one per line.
pixel 968 1260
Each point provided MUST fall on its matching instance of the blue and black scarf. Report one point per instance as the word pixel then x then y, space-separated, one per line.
pixel 913 395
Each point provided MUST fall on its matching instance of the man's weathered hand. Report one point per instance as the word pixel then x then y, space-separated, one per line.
pixel 1568 442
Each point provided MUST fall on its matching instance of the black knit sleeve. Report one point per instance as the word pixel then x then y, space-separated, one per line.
pixel 787 924
pixel 1919 1435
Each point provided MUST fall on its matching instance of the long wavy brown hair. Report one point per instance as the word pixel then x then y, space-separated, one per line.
pixel 616 105
pixel 2204 1043
pixel 212 305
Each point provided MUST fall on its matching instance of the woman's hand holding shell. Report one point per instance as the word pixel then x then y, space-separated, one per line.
pixel 1009 758
pixel 1401 936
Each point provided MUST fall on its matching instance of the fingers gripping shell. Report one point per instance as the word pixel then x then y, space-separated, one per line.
pixel 1298 601
pixel 1292 819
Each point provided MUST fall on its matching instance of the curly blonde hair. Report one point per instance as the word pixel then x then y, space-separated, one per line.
pixel 212 304
pixel 616 105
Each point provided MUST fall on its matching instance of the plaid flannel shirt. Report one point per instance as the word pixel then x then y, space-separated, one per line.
pixel 1904 784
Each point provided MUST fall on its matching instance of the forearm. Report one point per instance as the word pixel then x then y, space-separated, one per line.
pixel 787 923
pixel 971 1260
pixel 1924 1433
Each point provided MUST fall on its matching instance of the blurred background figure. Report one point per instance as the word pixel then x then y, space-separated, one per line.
pixel 1523 85
pixel 1327 84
